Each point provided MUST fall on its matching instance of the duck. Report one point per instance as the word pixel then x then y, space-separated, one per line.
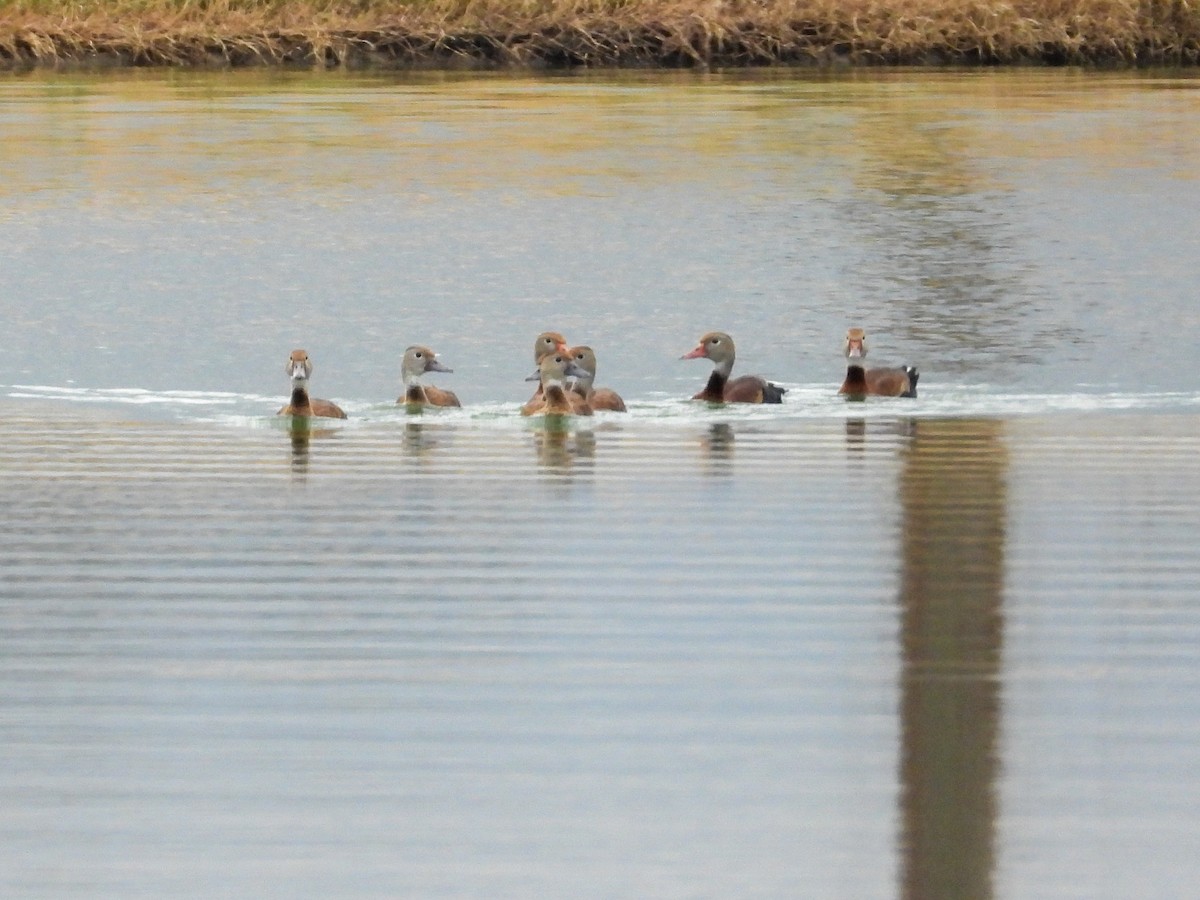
pixel 548 342
pixel 553 372
pixel 597 398
pixel 718 346
pixel 545 343
pixel 299 368
pixel 417 361
pixel 861 381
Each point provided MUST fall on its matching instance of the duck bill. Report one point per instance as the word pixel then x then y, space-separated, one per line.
pixel 576 371
pixel 698 353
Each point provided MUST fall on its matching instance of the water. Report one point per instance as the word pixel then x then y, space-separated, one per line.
pixel 945 647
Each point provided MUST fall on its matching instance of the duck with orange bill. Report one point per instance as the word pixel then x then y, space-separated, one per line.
pixel 883 382
pixel 721 388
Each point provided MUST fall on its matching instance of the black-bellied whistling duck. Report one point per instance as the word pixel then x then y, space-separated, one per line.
pixel 861 381
pixel 718 346
pixel 417 361
pixel 597 398
pixel 545 343
pixel 299 368
pixel 553 372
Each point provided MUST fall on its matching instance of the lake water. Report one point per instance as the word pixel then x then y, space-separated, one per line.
pixel 943 647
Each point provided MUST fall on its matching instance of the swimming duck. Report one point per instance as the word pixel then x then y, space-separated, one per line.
pixel 545 343
pixel 553 371
pixel 299 368
pixel 417 361
pixel 718 346
pixel 597 398
pixel 548 342
pixel 861 381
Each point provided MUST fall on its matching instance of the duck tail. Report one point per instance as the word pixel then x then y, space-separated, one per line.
pixel 773 393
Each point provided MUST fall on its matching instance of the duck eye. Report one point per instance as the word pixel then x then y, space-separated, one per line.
pixel 418 354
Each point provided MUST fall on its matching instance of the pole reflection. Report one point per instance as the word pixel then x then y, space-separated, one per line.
pixel 952 492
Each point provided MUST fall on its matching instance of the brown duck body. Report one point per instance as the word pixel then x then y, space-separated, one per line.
pixel 302 405
pixel 558 401
pixel 606 399
pixel 535 404
pixel 880 382
pixel 743 389
pixel 570 403
pixel 884 382
pixel 720 388
pixel 299 368
pixel 428 395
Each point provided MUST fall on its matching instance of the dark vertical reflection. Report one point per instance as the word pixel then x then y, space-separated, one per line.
pixel 952 493
pixel 300 433
pixel 561 450
pixel 717 446
pixel 420 441
pixel 856 434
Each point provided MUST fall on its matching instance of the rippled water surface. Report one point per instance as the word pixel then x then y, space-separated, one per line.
pixel 943 647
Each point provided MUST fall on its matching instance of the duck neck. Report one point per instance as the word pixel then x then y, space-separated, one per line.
pixel 415 393
pixel 856 379
pixel 301 405
pixel 556 399
pixel 714 391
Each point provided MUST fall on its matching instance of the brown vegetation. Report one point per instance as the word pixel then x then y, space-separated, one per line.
pixel 562 33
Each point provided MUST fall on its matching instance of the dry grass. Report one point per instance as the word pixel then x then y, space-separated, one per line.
pixel 559 33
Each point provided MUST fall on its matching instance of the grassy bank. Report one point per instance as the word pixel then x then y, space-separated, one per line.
pixel 560 33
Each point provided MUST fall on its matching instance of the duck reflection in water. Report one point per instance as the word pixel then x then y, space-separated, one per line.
pixel 717 446
pixel 559 449
pixel 420 440
pixel 856 434
pixel 300 434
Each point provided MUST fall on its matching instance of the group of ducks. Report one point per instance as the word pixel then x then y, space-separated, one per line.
pixel 566 377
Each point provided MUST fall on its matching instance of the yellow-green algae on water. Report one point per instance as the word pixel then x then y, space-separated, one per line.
pixel 565 33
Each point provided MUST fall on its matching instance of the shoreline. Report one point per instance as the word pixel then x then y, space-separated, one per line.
pixel 566 34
